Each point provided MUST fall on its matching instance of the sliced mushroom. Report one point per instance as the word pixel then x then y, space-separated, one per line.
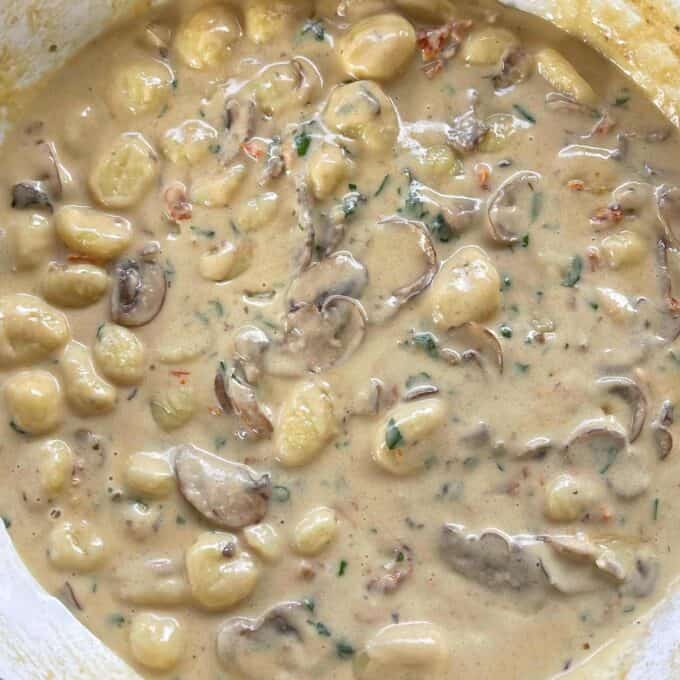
pixel 229 495
pixel 31 195
pixel 236 394
pixel 668 209
pixel 491 558
pixel 239 124
pixel 466 131
pixel 396 571
pixel 665 279
pixel 536 448
pixel 633 395
pixel 283 642
pixel 152 581
pixel 139 289
pixel 603 440
pixel 250 344
pixel 275 164
pixel 483 338
pixel 419 391
pixel 558 101
pixel 505 214
pixel 663 439
pixel 457 211
pixel 515 67
pixel 402 295
pixel 47 185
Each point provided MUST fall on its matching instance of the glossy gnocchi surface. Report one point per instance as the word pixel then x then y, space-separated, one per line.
pixel 339 341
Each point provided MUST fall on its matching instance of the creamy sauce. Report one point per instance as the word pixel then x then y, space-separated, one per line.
pixel 356 322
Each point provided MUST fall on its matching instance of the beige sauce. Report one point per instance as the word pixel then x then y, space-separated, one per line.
pixel 386 367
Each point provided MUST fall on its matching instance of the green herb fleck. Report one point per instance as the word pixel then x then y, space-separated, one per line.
pixel 382 186
pixel 400 556
pixel 16 428
pixel 594 305
pixel 342 567
pixel 655 509
pixel 573 274
pixel 622 98
pixel 100 328
pixel 393 435
pixel 180 519
pixel 302 141
pixel 215 148
pixel 116 619
pixel 426 341
pixel 521 368
pixel 528 116
pixel 441 229
pixel 315 27
pixel 351 201
pixel 471 462
pixel 629 608
pixel 344 650
pixel 536 205
pixel 506 331
pixel 220 442
pixel 309 603
pixel 6 521
pixel 321 629
pixel 206 233
pixel 525 241
pixel 175 83
pixel 281 493
pixel 507 283
pixel 217 306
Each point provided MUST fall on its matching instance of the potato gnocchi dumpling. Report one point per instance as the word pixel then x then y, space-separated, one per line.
pixel 156 641
pixel 150 474
pixel 562 75
pixel 141 87
pixel 437 162
pixel 87 393
pixel 216 191
pixel 403 442
pixel 34 402
pixel 74 285
pixel 33 240
pixel 30 330
pixel 119 354
pixel 624 249
pixel 467 288
pixel 55 465
pixel 220 573
pixel 258 211
pixel 378 48
pixel 284 85
pixel 568 497
pixel 173 407
pixel 362 111
pixel 267 19
pixel 204 40
pixel 123 173
pixel 306 424
pixel 189 142
pixel 92 233
pixel 315 531
pixel 264 540
pixel 430 11
pixel 226 260
pixel 486 46
pixel 75 546
pixel 328 166
pixel 142 521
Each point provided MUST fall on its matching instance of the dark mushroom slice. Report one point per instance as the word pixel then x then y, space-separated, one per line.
pixel 663 439
pixel 139 289
pixel 491 558
pixel 250 345
pixel 402 295
pixel 239 125
pixel 633 395
pixel 395 572
pixel 668 210
pixel 419 391
pixel 457 212
pixel 466 131
pixel 507 211
pixel 595 444
pixel 665 279
pixel 305 223
pixel 283 642
pixel 31 195
pixel 515 67
pixel 275 164
pixel 483 338
pixel 536 448
pixel 229 495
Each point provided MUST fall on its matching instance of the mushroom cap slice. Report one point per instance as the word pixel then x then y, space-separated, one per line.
pixel 632 393
pixel 668 209
pixel 229 495
pixel 139 289
pixel 239 126
pixel 279 644
pixel 505 211
pixel 30 195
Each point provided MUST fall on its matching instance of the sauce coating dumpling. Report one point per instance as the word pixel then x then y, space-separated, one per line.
pixel 561 74
pixel 204 40
pixel 284 85
pixel 75 546
pixel 189 142
pixel 487 45
pixel 467 288
pixel 267 19
pixel 74 285
pixel 119 354
pixel 362 111
pixel 141 87
pixel 378 47
pixel 156 642
pixel 92 233
pixel 34 402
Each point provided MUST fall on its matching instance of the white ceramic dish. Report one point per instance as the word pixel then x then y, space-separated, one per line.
pixel 39 638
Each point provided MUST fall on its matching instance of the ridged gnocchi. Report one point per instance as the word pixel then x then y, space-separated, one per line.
pixel 30 330
pixel 502 128
pixel 204 40
pixel 315 531
pixel 34 402
pixel 439 161
pixel 623 249
pixel 562 75
pixel 141 87
pixel 378 48
pixel 55 460
pixel 74 285
pixel 33 240
pixel 75 546
pixel 217 191
pixel 226 260
pixel 156 641
pixel 306 424
pixel 92 233
pixel 266 19
pixel 327 167
pixel 123 173
pixel 258 211
pixel 87 393
pixel 173 407
pixel 220 573
pixel 119 354
pixel 284 85
pixel 362 111
pixel 403 441
pixel 189 142
pixel 264 541
pixel 467 288
pixel 149 474
pixel 486 46
pixel 568 497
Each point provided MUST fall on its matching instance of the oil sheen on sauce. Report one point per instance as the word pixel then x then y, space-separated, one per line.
pixel 339 341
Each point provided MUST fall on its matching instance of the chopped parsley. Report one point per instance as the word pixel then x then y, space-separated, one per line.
pixel 302 141
pixel 206 233
pixel 342 567
pixel 573 273
pixel 536 205
pixel 281 493
pixel 506 331
pixel 393 436
pixel 215 148
pixel 382 186
pixel 441 229
pixel 351 202
pixel 524 113
pixel 344 650
pixel 314 27
pixel 426 341
pixel 655 509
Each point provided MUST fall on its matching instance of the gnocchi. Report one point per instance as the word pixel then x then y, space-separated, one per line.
pixel 378 48
pixel 258 211
pixel 33 240
pixel 34 402
pixel 467 288
pixel 623 249
pixel 55 465
pixel 404 441
pixel 173 407
pixel 142 520
pixel 74 285
pixel 141 88
pixel 266 19
pixel 76 546
pixel 439 161
pixel 86 391
pixel 306 424
pixel 216 191
pixel 156 641
pixel 569 497
pixel 204 40
pixel 282 86
pixel 226 260
pixel 30 330
pixel 264 540
pixel 220 573
pixel 93 233
pixel 123 173
pixel 150 474
pixel 562 75
pixel 189 142
pixel 315 531
pixel 486 46
pixel 328 166
pixel 119 354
